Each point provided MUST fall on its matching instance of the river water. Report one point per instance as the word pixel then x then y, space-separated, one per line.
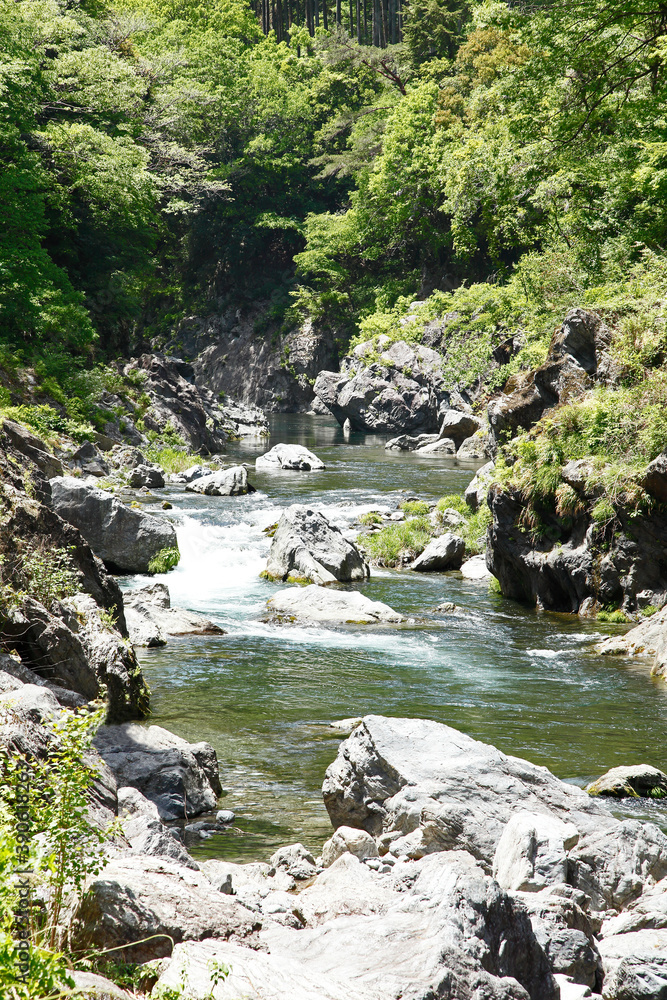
pixel 264 695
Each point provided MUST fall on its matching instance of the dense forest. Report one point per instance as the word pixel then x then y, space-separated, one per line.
pixel 335 161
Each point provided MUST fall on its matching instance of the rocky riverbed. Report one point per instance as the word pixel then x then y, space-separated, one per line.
pixel 515 883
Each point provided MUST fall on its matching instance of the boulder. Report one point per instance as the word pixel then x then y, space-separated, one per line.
pixel 126 539
pixel 477 489
pixel 146 832
pixel 90 460
pixel 227 483
pixel 613 866
pixel 296 860
pixel 408 442
pixel 189 475
pixel 565 933
pixel 150 619
pixel 32 447
pixel 307 546
pixel 90 986
pixel 347 840
pixel 422 787
pixel 181 778
pixel 630 782
pixel 441 554
pixel 337 606
pixel 124 456
pixel 473 449
pixel 655 478
pixel 647 912
pixel 31 701
pixel 532 852
pixel 475 569
pixel 443 446
pixel 473 942
pixel 150 476
pixel 458 426
pixel 635 965
pixel 136 898
pixel 648 639
pixel 293 457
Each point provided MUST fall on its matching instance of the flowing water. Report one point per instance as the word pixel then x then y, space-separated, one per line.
pixel 264 695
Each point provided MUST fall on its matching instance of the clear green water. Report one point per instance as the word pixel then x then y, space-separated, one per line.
pixel 264 695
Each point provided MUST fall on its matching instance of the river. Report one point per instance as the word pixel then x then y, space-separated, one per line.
pixel 264 695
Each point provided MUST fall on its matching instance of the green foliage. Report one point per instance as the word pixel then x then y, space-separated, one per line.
pixel 615 617
pixel 49 574
pixel 170 458
pixel 371 517
pixel 415 508
pixel 453 501
pixel 405 539
pixel 165 560
pixel 48 422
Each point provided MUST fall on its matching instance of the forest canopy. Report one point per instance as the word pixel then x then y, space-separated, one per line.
pixel 163 157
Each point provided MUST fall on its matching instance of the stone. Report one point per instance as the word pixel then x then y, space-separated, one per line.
pixel 296 860
pixel 443 446
pixel 147 475
pixel 532 852
pixel 145 831
pixel 293 457
pixel 458 426
pixel 189 475
pixel 443 553
pixel 348 840
pixel 125 456
pixel 477 489
pixel 151 619
pixel 635 965
pixel 475 569
pixel 564 931
pixel 90 986
pixel 647 912
pixel 655 478
pixel 181 778
pixel 28 444
pixel 418 787
pixel 613 866
pixel 447 518
pixel 125 539
pixel 90 461
pixel 307 546
pixel 137 897
pixel 629 782
pixel 318 604
pixel 31 701
pixel 648 639
pixel 408 442
pixel 227 483
pixel 473 941
pixel 225 816
pixel 472 449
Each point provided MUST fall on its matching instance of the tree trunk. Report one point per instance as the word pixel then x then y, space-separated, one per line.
pixel 339 12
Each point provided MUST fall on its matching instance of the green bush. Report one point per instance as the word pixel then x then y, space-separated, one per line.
pixel 616 617
pixel 165 560
pixel 371 517
pixel 415 508
pixel 405 537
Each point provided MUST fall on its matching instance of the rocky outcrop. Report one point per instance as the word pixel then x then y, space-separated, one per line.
pixel 648 639
pixel 577 357
pixel 575 565
pixel 151 619
pixel 322 605
pixel 634 781
pixel 124 538
pixel 31 447
pixel 443 553
pixel 306 546
pixel 474 941
pixel 146 475
pixel 194 412
pixel 293 457
pixel 139 898
pixel 181 778
pixel 420 787
pixel 145 831
pixel 231 482
pixel 478 487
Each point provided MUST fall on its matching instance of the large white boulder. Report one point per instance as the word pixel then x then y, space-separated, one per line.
pixel 293 457
pixel 347 840
pixel 532 851
pixel 323 605
pixel 226 483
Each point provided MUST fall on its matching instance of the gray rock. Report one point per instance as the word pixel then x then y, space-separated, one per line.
pixel 124 538
pixel 30 701
pixel 475 569
pixel 647 912
pixel 33 448
pixel 90 986
pixel 441 554
pixel 155 594
pixel 293 457
pixel 150 619
pixel 532 852
pixel 147 475
pixel 565 933
pixel 146 832
pixel 635 965
pixel 296 860
pixel 126 457
pixel 473 449
pixel 181 778
pixel 422 787
pixel 307 546
pixel 408 442
pixel 227 483
pixel 630 782
pixel 347 840
pixel 189 475
pixel 655 479
pixel 90 460
pixel 321 605
pixel 612 866
pixel 225 816
pixel 473 942
pixel 648 639
pixel 139 897
pixel 477 489
pixel 458 426
pixel 443 446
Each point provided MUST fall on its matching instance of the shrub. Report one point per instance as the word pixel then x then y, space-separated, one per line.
pixel 415 508
pixel 406 537
pixel 371 517
pixel 165 560
pixel 455 502
pixel 169 458
pixel 616 617
pixel 49 575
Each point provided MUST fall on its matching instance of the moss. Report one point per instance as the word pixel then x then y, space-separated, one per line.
pixel 271 529
pixel 300 581
pixel 165 560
